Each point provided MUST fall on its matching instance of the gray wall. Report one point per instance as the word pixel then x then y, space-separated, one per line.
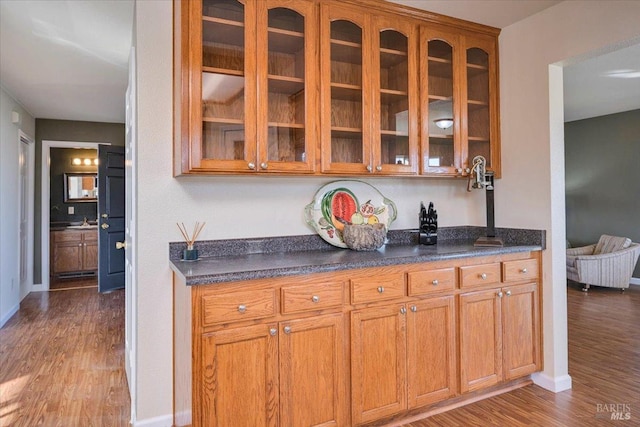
pixel 65 130
pixel 602 171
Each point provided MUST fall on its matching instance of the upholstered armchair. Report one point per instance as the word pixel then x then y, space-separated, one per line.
pixel 609 263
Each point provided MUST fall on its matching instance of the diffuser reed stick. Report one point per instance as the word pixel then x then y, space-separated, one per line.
pixel 190 239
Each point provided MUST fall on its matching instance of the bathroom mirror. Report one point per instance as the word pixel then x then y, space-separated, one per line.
pixel 80 187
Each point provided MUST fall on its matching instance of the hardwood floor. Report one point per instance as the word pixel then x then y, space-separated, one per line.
pixel 62 359
pixel 76 283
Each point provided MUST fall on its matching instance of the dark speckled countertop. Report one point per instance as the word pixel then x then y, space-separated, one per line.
pixel 246 259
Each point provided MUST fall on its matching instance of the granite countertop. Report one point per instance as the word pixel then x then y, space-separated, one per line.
pixel 247 259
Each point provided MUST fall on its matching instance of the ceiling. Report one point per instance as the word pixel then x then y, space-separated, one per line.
pixel 68 59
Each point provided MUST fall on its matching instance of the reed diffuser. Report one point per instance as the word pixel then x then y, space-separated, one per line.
pixel 190 254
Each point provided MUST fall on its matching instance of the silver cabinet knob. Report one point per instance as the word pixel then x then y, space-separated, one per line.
pixel 414 308
pixel 467 170
pixel 379 168
pixel 369 168
pixel 403 310
pixel 500 294
pixel 242 308
pixel 287 329
pixel 435 282
pixel 273 332
pixel 315 298
pixel 483 276
pixel 251 165
pixel 459 170
pixel 523 271
pixel 381 289
pixel 264 165
pixel 508 293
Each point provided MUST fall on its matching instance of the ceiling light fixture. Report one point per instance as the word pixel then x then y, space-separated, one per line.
pixel 444 123
pixel 86 162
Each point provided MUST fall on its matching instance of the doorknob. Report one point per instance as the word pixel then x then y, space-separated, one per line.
pixel 104 226
pixel 104 216
pixel 121 245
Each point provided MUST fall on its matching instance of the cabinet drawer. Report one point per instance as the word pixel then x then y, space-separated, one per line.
pixel 66 236
pixel 315 296
pixel 234 306
pixel 379 288
pixel 523 269
pixel 474 275
pixel 90 235
pixel 425 282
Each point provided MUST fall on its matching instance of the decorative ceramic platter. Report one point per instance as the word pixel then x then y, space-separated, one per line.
pixel 347 202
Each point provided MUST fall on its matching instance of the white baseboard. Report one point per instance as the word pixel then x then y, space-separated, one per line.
pixel 635 281
pixel 162 421
pixel 38 287
pixel 9 314
pixel 554 384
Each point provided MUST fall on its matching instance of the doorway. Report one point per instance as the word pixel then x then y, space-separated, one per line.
pixel 45 197
pixel 26 192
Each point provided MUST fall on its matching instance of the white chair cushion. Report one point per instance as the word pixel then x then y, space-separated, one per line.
pixel 607 244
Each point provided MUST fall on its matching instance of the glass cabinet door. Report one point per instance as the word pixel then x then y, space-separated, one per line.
pixel 226 92
pixel 481 132
pixel 395 99
pixel 441 142
pixel 287 100
pixel 345 128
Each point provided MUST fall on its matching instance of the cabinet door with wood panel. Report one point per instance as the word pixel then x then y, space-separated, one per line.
pixel 312 372
pixel 521 330
pixel 238 378
pixel 378 362
pixel 431 351
pixel 480 335
pixel 67 257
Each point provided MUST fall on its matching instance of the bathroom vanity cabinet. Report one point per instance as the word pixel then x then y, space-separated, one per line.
pixel 357 345
pixel 74 252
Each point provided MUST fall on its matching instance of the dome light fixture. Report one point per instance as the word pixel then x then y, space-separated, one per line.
pixel 444 123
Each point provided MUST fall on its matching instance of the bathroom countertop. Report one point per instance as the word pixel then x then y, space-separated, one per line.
pixel 247 259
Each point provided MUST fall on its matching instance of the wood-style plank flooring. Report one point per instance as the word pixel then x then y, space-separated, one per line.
pixel 62 358
pixel 62 361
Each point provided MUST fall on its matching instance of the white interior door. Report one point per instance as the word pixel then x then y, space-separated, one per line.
pixel 130 232
pixel 26 192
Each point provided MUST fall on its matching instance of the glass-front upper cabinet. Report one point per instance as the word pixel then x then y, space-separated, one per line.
pixel 346 125
pixel 227 87
pixel 395 97
pixel 250 88
pixel 480 136
pixel 287 128
pixel 440 100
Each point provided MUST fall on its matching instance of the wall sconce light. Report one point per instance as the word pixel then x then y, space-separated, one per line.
pixel 87 162
pixel 444 123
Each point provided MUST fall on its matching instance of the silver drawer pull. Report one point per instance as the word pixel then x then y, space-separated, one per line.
pixel 523 271
pixel 500 294
pixel 414 308
pixel 287 329
pixel 403 310
pixel 315 298
pixel 242 308
pixel 435 282
pixel 381 289
pixel 273 332
pixel 483 276
pixel 508 293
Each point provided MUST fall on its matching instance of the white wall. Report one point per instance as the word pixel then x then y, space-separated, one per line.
pixel 533 137
pixel 9 213
pixel 531 194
